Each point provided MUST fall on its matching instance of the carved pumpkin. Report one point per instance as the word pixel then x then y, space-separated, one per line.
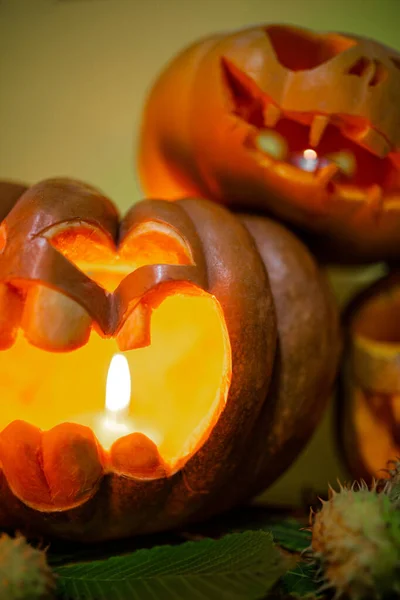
pixel 10 191
pixel 304 125
pixel 370 406
pixel 230 368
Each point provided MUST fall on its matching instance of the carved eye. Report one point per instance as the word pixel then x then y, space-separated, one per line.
pixel 373 69
pixel 247 99
pixel 360 67
pixel 300 50
pixel 396 61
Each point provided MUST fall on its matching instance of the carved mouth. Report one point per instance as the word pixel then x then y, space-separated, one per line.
pixel 172 333
pixel 339 165
pixel 353 160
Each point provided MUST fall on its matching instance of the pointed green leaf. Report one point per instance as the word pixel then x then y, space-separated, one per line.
pixel 300 581
pixel 287 531
pixel 289 534
pixel 237 566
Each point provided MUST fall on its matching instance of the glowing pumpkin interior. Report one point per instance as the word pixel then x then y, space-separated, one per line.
pixel 376 414
pixel 179 383
pixel 278 135
pixel 378 320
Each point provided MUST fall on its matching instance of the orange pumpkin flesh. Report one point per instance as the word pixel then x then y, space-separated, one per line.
pixel 198 351
pixel 181 289
pixel 231 115
pixel 370 409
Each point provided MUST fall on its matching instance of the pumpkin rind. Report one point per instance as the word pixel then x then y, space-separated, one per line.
pixel 309 345
pixel 10 191
pixel 123 496
pixel 196 140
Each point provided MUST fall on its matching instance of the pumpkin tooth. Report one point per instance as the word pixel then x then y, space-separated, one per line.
pixel 10 315
pixel 370 138
pixel 375 198
pixel 53 321
pixel 136 454
pixel 350 193
pixel 317 129
pixel 346 161
pixel 271 143
pixel 135 332
pixel 272 114
pixel 20 450
pixel 327 173
pixel 71 463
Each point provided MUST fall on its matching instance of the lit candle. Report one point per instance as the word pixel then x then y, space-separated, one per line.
pixel 118 388
pixel 308 161
pixel 114 422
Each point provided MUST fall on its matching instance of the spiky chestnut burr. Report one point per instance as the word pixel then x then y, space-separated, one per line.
pixel 391 486
pixel 24 572
pixel 356 540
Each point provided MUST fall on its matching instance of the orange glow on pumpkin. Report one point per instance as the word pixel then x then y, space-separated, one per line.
pixel 374 409
pixel 180 381
pixel 150 243
pixel 193 305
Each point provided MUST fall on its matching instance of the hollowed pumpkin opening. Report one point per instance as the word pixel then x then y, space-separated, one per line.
pixel 179 382
pixel 368 168
pixel 375 331
pixel 294 131
pixel 377 320
pixel 299 50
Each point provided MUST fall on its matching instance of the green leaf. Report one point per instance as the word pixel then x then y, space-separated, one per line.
pixel 289 534
pixel 237 566
pixel 301 581
pixel 287 531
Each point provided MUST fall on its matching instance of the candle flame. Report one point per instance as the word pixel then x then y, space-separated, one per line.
pixel 118 386
pixel 310 154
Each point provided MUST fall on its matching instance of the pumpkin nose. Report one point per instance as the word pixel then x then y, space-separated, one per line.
pixel 372 71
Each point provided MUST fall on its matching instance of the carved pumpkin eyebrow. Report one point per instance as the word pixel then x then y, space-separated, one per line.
pixel 302 49
pixel 247 98
pixel 396 61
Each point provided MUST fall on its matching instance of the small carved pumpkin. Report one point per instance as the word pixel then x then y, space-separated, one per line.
pixel 304 125
pixel 369 417
pixel 231 339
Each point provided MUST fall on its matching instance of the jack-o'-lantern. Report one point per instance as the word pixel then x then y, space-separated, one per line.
pixel 304 125
pixel 10 191
pixel 213 343
pixel 369 415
